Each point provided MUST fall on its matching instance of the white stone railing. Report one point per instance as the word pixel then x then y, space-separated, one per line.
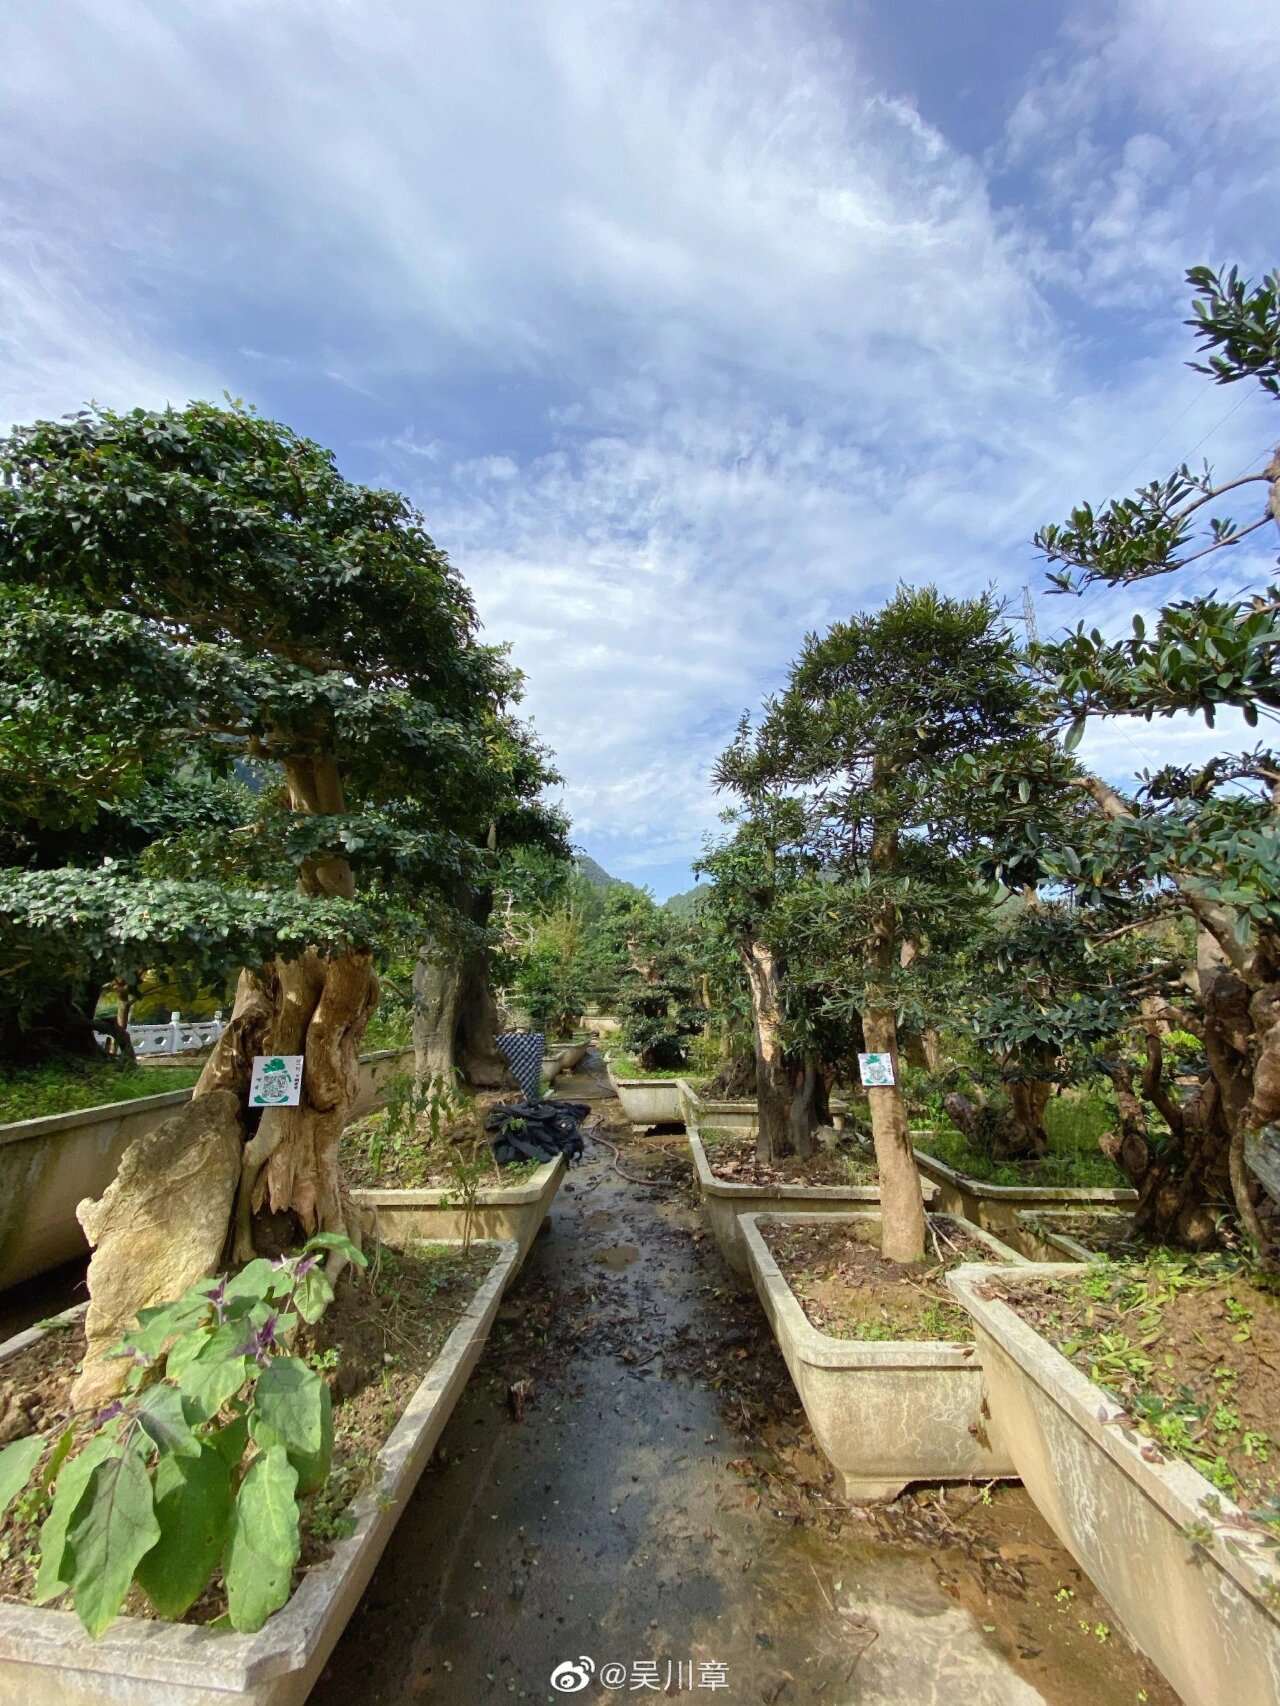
pixel 177 1037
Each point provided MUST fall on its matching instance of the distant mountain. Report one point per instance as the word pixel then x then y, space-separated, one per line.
pixel 595 874
pixel 688 904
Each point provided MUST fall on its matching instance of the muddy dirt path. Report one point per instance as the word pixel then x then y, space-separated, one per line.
pixel 628 1482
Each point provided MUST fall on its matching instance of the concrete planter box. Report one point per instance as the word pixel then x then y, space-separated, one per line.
pixel 46 1659
pixel 725 1203
pixel 648 1101
pixel 1201 1613
pixel 514 1212
pixel 885 1412
pixel 49 1165
pixel 996 1207
pixel 1058 1236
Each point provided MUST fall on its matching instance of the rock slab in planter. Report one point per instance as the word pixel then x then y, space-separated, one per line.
pixel 513 1211
pixel 725 1202
pixel 1204 1614
pixel 47 1659
pixel 884 1412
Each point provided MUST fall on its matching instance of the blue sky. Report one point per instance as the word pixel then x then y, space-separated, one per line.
pixel 691 327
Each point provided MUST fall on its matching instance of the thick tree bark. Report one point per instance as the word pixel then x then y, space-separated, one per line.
pixel 480 1061
pixel 317 1006
pixel 455 1021
pixel 902 1225
pixel 901 1204
pixel 437 989
pixel 789 1104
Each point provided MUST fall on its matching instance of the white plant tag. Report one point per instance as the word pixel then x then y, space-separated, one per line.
pixel 276 1081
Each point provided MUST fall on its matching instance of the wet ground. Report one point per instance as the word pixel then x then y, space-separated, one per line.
pixel 628 1494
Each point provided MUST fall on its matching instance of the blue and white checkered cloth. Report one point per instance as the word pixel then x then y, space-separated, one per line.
pixel 524 1051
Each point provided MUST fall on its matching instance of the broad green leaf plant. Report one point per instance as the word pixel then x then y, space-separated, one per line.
pixel 200 1465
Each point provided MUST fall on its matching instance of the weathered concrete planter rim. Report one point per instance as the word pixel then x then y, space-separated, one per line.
pixel 714 1186
pixel 493 1196
pixel 824 1350
pixel 1042 1195
pixel 280 1662
pixel 1177 1489
pixel 15 1130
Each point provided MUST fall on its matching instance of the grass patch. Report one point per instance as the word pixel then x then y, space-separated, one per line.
pixel 1074 1124
pixel 624 1066
pixel 63 1086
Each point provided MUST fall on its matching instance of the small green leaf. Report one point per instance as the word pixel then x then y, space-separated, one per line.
pixel 16 1464
pixel 52 1578
pixel 162 1418
pixel 193 1506
pixel 291 1407
pixel 264 1544
pixel 209 1385
pixel 1075 734
pixel 230 1441
pixel 256 1280
pixel 113 1528
pixel 314 1295
pixel 338 1241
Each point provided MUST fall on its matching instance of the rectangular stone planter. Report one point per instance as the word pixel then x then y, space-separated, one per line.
pixel 49 1165
pixel 996 1207
pixel 884 1412
pixel 514 1212
pixel 648 1101
pixel 46 1658
pixel 726 1203
pixel 1057 1235
pixel 1207 1614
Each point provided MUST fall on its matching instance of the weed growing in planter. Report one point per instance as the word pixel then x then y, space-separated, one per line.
pixel 468 1173
pixel 1187 1344
pixel 200 1464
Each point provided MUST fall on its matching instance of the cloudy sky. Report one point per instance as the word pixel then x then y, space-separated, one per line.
pixel 692 325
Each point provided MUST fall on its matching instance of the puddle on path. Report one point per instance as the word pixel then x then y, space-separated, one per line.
pixel 661 1509
pixel 617 1256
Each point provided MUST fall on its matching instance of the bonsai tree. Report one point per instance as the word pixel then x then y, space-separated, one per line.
pixel 261 609
pixel 1046 995
pixel 762 876
pixel 876 737
pixel 456 1018
pixel 1196 840
pixel 654 984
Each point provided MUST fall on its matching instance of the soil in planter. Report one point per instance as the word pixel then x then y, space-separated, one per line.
pixel 375 1158
pixel 1104 1234
pixel 733 1159
pixel 373 1346
pixel 847 1288
pixel 1190 1348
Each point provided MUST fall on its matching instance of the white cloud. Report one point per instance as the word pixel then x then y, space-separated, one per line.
pixel 685 336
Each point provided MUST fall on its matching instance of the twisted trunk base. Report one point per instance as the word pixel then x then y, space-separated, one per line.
pixel 319 1008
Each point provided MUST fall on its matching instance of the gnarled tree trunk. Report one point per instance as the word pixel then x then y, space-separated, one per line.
pixel 455 1020
pixel 786 1110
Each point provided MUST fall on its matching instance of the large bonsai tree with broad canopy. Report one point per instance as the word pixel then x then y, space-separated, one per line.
pixel 883 739
pixel 248 603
